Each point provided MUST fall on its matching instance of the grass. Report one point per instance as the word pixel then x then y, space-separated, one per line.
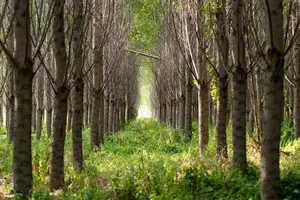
pixel 149 161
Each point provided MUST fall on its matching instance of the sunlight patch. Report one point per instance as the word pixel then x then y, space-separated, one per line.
pixel 144 112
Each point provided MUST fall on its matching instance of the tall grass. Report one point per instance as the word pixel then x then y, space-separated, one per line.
pixel 147 161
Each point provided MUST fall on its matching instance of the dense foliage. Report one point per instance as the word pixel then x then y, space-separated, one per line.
pixel 149 161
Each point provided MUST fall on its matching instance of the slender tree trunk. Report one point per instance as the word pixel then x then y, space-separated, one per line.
pixel 34 104
pixel 70 112
pixel 273 109
pixel 110 115
pixel 22 157
pixel 239 159
pixel 259 99
pixel 296 70
pixel 101 119
pixel 291 100
pixel 10 107
pixel 78 90
pixel 49 109
pixel 297 109
pixel 40 104
pixel 77 124
pixel 221 143
pixel 94 123
pixel 174 116
pixel 60 100
pixel 239 100
pixel 203 116
pixel 106 113
pixel 203 85
pixel 122 111
pixel 1 110
pixel 86 104
pixel 181 110
pixel 222 80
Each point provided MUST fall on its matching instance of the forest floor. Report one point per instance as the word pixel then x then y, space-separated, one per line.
pixel 149 161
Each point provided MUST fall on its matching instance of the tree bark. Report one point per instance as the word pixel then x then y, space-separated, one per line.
pixel 60 99
pixel 34 104
pixel 221 143
pixel 40 104
pixel 273 109
pixel 70 112
pixel 297 109
pixel 239 79
pixel 78 90
pixel 188 106
pixel 49 108
pixel 106 113
pixel 10 98
pixel 22 157
pixel 77 124
pixel 101 119
pixel 222 81
pixel 86 104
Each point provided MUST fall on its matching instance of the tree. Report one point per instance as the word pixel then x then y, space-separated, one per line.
pixel 239 79
pixel 60 99
pixel 97 76
pixel 273 109
pixel 78 90
pixel 222 79
pixel 23 70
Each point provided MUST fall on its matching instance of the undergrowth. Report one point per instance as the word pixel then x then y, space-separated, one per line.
pixel 148 161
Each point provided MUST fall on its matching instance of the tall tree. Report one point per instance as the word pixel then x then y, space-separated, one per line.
pixel 203 83
pixel 273 109
pixel 222 79
pixel 97 76
pixel 60 99
pixel 239 87
pixel 23 70
pixel 78 90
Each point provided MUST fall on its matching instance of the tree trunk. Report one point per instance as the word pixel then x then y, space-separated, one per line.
pixel 94 123
pixel 22 160
pixel 239 159
pixel 1 109
pixel 70 112
pixel 34 104
pixel 297 109
pixel 259 99
pixel 203 116
pixel 221 143
pixel 22 157
pixel 122 111
pixel 40 103
pixel 86 104
pixel 49 108
pixel 60 100
pixel 239 79
pixel 78 90
pixel 188 107
pixel 291 100
pixel 10 107
pixel 222 80
pixel 77 124
pixel 174 116
pixel 58 140
pixel 106 113
pixel 101 119
pixel 273 109
pixel 111 115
